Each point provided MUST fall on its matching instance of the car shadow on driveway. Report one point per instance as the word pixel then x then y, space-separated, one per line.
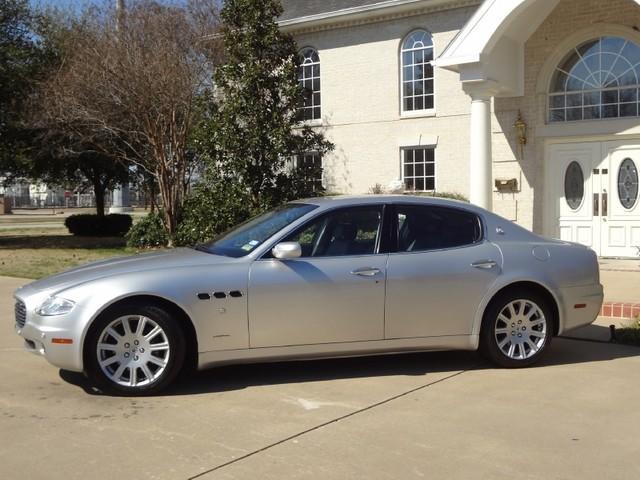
pixel 236 377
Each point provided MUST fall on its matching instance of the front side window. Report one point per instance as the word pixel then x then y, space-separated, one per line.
pixel 416 57
pixel 309 166
pixel 419 169
pixel 309 78
pixel 598 79
pixel 348 231
pixel 246 237
pixel 423 228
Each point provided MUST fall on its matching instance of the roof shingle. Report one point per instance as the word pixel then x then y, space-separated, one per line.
pixel 304 8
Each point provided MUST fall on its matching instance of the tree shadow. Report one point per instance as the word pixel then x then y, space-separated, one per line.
pixel 40 242
pixel 237 377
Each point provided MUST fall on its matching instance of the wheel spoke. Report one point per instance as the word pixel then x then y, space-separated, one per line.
pixel 109 361
pixel 127 326
pixel 110 331
pixel 119 371
pixel 154 331
pixel 108 346
pixel 532 346
pixel 501 331
pixel 147 372
pixel 140 328
pixel 158 361
pixel 504 319
pixel 133 376
pixel 158 347
pixel 512 349
pixel 512 311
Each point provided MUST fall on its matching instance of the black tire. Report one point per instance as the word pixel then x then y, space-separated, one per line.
pixel 161 376
pixel 494 342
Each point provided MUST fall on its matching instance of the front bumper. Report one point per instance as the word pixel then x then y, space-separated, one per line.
pixel 39 332
pixel 581 306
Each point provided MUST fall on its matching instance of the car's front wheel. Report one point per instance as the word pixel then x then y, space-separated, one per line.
pixel 134 350
pixel 517 328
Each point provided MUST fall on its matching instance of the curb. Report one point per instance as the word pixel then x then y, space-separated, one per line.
pixel 620 310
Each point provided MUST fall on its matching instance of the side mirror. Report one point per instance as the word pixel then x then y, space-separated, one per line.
pixel 285 250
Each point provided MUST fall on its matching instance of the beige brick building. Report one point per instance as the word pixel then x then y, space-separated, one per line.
pixel 528 107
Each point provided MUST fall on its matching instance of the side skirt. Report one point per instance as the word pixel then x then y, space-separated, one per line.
pixel 336 350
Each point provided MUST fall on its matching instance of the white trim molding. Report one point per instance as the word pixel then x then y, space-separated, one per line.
pixel 377 12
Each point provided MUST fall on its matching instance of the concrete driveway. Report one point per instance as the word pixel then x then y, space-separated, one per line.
pixel 436 415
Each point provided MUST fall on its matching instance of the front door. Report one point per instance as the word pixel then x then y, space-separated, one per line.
pixel 596 196
pixel 333 293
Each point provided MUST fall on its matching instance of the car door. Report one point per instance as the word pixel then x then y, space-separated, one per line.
pixel 440 272
pixel 333 293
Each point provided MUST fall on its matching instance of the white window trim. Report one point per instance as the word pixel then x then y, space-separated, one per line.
pixel 435 167
pixel 425 112
pixel 314 121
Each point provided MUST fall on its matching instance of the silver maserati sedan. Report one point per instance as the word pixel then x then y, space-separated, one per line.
pixel 316 278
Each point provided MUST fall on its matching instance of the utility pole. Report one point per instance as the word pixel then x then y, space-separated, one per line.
pixel 120 197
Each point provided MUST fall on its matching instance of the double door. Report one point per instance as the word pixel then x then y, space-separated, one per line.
pixel 596 198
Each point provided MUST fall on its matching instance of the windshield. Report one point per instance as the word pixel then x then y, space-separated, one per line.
pixel 243 239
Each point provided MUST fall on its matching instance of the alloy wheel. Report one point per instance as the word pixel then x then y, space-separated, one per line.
pixel 520 329
pixel 133 351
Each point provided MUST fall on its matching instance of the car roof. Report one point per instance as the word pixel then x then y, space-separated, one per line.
pixel 346 200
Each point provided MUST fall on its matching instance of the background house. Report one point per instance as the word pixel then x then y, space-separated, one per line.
pixel 529 107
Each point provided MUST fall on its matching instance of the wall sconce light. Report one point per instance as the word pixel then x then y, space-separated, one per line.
pixel 521 130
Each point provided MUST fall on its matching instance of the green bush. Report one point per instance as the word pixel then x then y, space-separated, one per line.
pixel 148 232
pixel 449 195
pixel 86 225
pixel 213 207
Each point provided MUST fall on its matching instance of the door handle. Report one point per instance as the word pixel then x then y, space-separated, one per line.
pixel 484 264
pixel 366 272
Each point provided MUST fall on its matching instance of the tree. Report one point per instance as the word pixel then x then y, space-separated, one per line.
pixel 252 130
pixel 134 79
pixel 20 64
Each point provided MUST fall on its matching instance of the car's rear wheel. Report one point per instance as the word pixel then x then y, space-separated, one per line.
pixel 517 328
pixel 134 350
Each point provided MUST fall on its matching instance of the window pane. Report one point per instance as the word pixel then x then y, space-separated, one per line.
pixel 351 231
pixel 628 109
pixel 556 101
pixel 419 103
pixel 428 102
pixel 408 73
pixel 429 184
pixel 603 71
pixel 610 111
pixel 432 228
pixel 557 116
pixel 591 113
pixel 419 183
pixel 408 104
pixel 574 114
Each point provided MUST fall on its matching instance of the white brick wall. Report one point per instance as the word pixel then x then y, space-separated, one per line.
pixel 360 76
pixel 361 104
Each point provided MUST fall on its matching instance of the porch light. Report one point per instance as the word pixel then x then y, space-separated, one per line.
pixel 521 129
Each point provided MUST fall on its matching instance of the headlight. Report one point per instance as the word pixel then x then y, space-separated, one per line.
pixel 55 306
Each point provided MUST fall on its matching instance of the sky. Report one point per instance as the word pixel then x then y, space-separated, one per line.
pixel 76 5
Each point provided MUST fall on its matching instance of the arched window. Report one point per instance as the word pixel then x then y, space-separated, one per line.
pixel 417 71
pixel 598 79
pixel 309 77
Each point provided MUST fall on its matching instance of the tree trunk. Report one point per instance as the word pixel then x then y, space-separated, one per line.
pixel 99 191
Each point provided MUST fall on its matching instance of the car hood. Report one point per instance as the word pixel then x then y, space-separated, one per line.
pixel 181 257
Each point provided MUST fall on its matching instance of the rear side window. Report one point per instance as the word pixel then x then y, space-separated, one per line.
pixel 423 228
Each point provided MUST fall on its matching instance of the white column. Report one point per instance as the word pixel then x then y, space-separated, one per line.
pixel 120 200
pixel 481 191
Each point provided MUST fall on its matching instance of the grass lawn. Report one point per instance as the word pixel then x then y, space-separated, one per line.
pixel 40 252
